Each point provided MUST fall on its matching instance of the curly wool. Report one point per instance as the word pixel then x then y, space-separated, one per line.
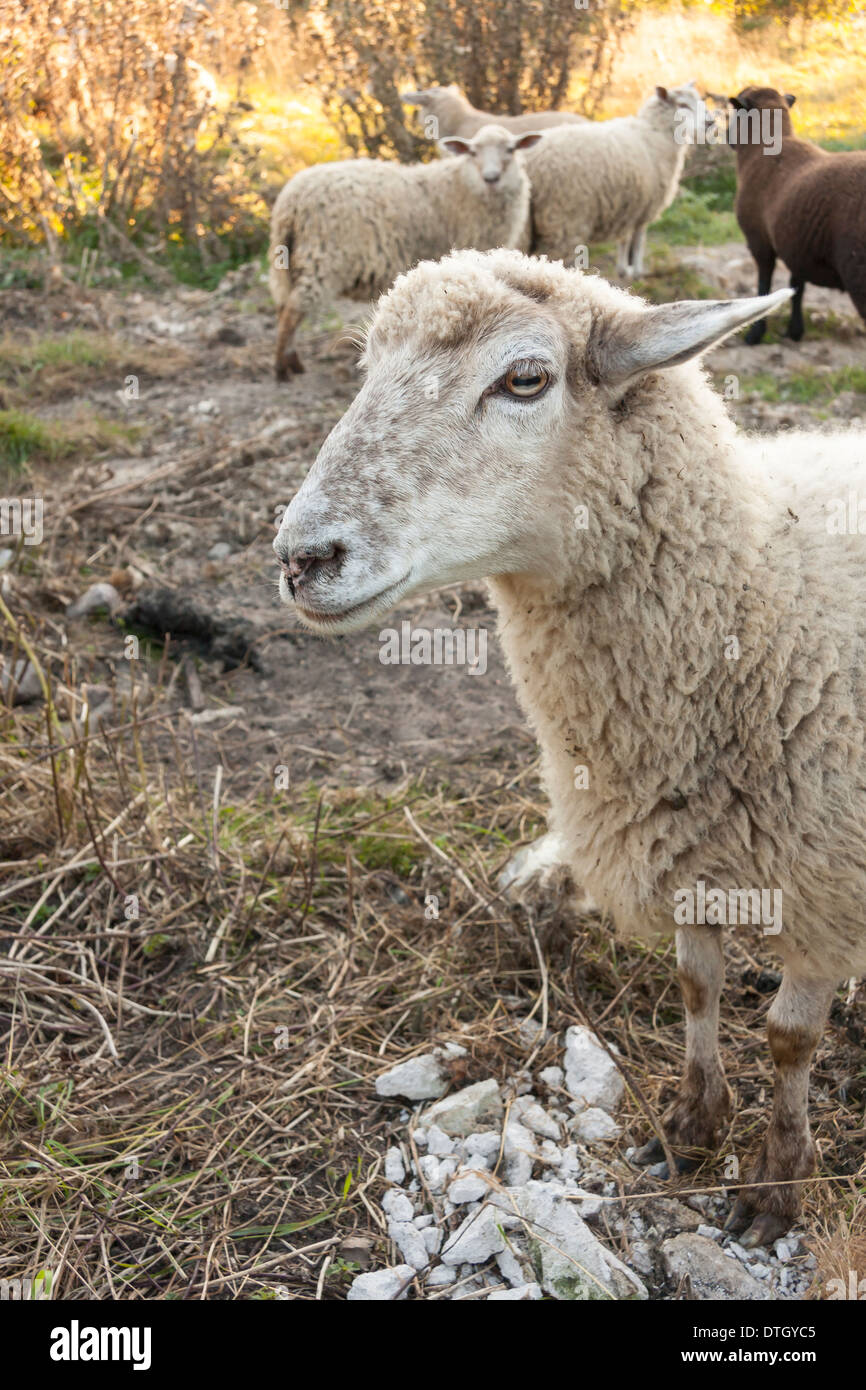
pixel 742 764
pixel 352 226
pixel 601 181
pixel 455 115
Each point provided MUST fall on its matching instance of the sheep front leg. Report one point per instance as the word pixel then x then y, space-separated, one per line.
pixel 704 1100
pixel 287 359
pixel 794 331
pixel 623 268
pixel 794 1026
pixel 636 252
pixel 766 261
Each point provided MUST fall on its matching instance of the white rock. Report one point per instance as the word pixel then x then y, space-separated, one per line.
pixel 422 1222
pixel 552 1077
pixel 511 1268
pixel 466 1110
pixel 419 1078
pixel 397 1205
pixel 395 1169
pixel 430 1170
pixel 592 1125
pixel 475 1162
pixel 570 1165
pixel 591 1075
pixel 476 1239
pixel 467 1189
pixel 220 550
pixel 440 1276
pixel 529 1032
pixel 432 1237
pixel 518 1152
pixel 6 557
pixel 786 1249
pixel 572 1263
pixel 23 681
pixel 711 1232
pixel 410 1243
pixel 487 1143
pixel 733 1248
pixel 381 1285
pixel 447 1168
pixel 96 597
pixel 524 1293
pixel 438 1141
pixel 641 1256
pixel 528 1111
pixel 712 1273
pixel 551 1154
pixel 420 1137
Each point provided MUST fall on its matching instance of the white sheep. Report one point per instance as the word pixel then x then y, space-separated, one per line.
pixel 683 613
pixel 608 180
pixel 446 111
pixel 350 227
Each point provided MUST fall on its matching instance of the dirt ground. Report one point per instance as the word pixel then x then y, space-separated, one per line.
pixel 190 508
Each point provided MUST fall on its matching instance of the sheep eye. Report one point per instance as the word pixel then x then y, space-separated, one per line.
pixel 525 380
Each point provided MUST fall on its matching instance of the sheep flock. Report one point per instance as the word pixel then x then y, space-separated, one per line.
pixel 680 620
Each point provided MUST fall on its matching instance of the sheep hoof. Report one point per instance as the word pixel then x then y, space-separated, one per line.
pixel 651 1152
pixel 652 1155
pixel 755 334
pixel 762 1228
pixel 288 366
pixel 536 859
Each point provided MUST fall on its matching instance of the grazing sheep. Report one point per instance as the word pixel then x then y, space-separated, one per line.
pixel 350 227
pixel 608 180
pixel 681 621
pixel 798 202
pixel 454 115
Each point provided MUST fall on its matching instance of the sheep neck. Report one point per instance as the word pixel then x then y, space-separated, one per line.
pixel 609 653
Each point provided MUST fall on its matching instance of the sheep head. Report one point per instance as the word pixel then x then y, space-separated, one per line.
pixel 491 408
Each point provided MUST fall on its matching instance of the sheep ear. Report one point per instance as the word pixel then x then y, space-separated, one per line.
pixel 454 145
pixel 627 347
pixel 790 99
pixel 526 142
pixel 662 93
pixel 412 98
pixel 738 104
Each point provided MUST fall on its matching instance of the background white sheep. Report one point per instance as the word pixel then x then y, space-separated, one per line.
pixel 678 620
pixel 446 111
pixel 350 227
pixel 608 180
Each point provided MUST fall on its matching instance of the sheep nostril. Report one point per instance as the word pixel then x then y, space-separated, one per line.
pixel 303 564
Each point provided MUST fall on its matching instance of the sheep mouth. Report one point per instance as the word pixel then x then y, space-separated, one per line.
pixel 358 615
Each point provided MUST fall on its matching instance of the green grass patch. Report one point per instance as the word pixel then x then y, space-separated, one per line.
pixel 806 386
pixel 47 366
pixel 702 212
pixel 26 439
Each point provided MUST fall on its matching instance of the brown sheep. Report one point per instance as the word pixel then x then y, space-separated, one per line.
pixel 798 202
pixel 454 115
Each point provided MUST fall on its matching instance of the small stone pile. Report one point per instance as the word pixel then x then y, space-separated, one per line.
pixel 494 1192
